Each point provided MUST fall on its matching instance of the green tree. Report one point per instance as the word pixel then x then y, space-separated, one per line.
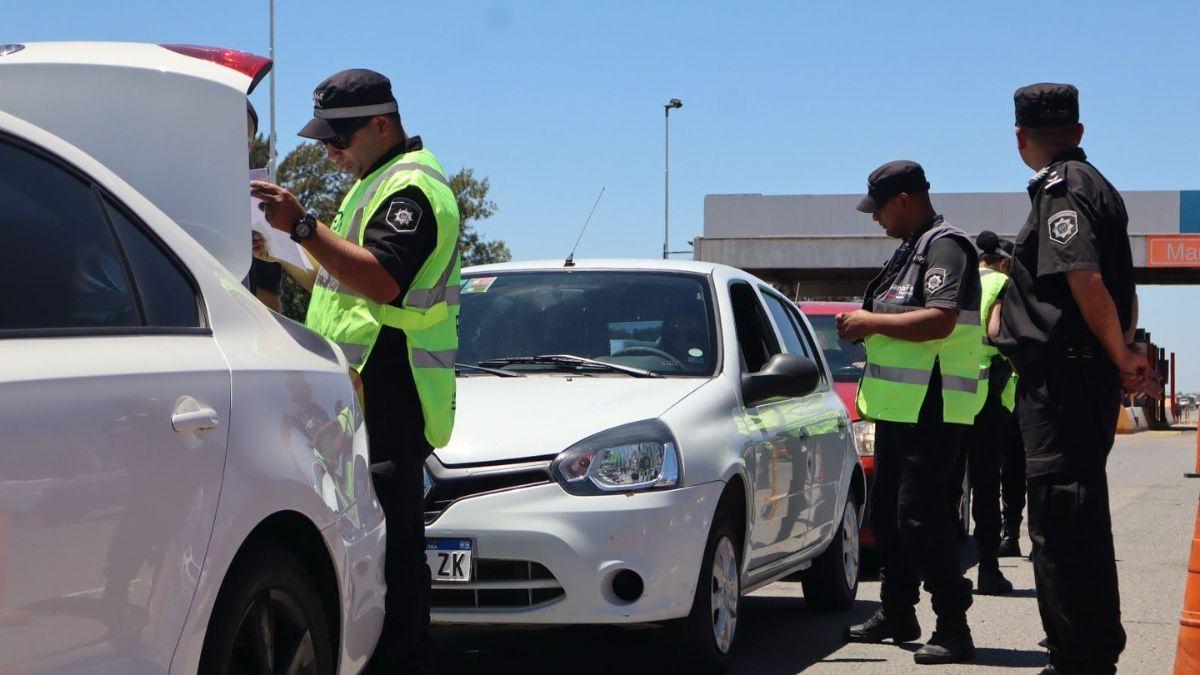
pixel 473 206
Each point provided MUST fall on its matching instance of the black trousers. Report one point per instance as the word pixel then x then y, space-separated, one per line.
pixel 912 507
pixel 1068 415
pixel 399 486
pixel 986 443
pixel 1012 477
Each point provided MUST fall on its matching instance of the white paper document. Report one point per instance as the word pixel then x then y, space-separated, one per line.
pixel 279 244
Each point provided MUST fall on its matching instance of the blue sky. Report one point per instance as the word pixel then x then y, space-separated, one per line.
pixel 553 100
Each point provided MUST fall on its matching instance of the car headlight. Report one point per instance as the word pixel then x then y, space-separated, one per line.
pixel 634 457
pixel 864 437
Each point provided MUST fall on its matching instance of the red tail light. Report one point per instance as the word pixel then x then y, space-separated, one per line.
pixel 252 65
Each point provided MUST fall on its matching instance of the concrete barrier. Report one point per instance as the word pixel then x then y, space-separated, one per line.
pixel 1126 423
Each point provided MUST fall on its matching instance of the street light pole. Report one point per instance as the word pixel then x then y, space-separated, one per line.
pixel 673 103
pixel 271 133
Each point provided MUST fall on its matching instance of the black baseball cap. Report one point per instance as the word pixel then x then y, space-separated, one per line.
pixel 1046 105
pixel 890 180
pixel 345 98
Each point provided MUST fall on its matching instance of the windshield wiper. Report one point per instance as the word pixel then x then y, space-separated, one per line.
pixel 484 369
pixel 569 360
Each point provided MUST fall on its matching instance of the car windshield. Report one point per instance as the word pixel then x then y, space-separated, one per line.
pixel 660 322
pixel 846 359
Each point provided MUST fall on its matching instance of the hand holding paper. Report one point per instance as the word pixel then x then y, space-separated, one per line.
pixel 278 244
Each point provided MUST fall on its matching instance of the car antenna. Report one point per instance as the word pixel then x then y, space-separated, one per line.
pixel 570 261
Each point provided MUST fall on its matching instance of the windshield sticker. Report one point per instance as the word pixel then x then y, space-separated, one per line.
pixel 695 353
pixel 478 284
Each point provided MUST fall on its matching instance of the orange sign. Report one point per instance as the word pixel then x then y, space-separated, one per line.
pixel 1173 250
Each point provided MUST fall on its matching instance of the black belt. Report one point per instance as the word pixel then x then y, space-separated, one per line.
pixel 1041 353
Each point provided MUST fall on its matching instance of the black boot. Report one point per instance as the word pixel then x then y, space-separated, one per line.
pixel 899 625
pixel 951 643
pixel 992 581
pixel 1010 547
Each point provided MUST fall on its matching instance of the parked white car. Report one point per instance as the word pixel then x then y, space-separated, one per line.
pixel 184 483
pixel 638 441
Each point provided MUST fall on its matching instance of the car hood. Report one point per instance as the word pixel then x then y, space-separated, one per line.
pixel 504 419
pixel 848 391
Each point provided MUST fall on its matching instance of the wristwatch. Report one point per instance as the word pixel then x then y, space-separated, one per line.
pixel 304 227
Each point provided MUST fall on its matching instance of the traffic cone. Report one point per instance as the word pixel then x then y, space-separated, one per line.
pixel 1187 651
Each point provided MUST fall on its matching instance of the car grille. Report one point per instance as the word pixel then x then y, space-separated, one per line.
pixel 500 584
pixel 446 485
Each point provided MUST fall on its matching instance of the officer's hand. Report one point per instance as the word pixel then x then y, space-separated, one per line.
pixel 1137 377
pixel 854 325
pixel 280 207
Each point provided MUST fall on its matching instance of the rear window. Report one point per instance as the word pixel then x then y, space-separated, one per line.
pixel 658 321
pixel 846 359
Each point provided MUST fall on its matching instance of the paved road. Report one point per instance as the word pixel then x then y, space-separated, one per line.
pixel 1153 507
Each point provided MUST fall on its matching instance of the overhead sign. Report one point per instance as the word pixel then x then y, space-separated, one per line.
pixel 1172 250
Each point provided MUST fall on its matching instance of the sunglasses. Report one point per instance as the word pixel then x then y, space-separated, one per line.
pixel 341 140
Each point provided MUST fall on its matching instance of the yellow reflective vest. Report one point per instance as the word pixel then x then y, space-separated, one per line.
pixel 429 312
pixel 896 377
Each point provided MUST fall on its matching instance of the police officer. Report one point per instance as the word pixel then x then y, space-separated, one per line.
pixel 1066 323
pixel 987 440
pixel 920 321
pixel 387 293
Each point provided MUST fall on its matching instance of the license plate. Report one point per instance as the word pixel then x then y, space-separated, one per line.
pixel 449 559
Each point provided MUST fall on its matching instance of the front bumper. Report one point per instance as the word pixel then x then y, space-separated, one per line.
pixel 574 547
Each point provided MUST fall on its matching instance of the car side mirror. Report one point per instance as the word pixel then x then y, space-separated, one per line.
pixel 784 375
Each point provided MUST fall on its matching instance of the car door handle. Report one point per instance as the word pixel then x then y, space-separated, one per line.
pixel 190 416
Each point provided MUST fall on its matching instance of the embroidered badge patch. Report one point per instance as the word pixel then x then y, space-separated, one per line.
pixel 1064 225
pixel 403 215
pixel 935 278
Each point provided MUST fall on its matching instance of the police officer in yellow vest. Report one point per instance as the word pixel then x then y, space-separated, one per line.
pixel 990 441
pixel 387 294
pixel 921 326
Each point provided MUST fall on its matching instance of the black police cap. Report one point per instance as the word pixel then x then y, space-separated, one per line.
pixel 1046 105
pixel 890 180
pixel 346 96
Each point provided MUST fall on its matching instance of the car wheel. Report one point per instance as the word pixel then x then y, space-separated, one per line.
pixel 831 584
pixel 268 618
pixel 708 632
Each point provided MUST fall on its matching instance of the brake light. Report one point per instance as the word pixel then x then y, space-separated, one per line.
pixel 251 65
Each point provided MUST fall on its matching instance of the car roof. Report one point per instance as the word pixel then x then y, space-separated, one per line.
pixel 640 264
pixel 821 307
pixel 170 124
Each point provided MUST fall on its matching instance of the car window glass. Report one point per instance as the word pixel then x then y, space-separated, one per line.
pixel 657 321
pixel 167 297
pixel 756 340
pixel 846 359
pixel 792 341
pixel 58 250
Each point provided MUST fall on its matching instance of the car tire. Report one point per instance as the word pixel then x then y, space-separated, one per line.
pixel 268 611
pixel 707 636
pixel 831 583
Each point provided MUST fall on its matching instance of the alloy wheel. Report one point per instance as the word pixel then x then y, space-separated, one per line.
pixel 274 637
pixel 726 592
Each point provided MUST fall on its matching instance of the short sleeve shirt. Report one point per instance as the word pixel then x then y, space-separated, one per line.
pixel 1077 220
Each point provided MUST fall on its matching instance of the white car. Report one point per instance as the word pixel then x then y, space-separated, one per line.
pixel 184 484
pixel 638 441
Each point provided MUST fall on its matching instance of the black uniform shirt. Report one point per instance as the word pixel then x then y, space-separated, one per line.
pixel 1077 221
pixel 946 282
pixel 402 234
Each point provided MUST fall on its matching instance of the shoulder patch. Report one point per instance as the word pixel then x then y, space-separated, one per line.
pixel 403 214
pixel 1063 225
pixel 935 278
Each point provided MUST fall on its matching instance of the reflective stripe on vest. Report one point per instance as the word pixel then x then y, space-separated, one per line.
pixel 428 314
pixel 896 377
